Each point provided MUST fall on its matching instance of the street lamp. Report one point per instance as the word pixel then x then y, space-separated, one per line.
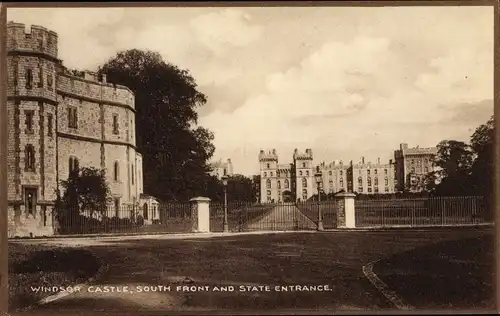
pixel 319 178
pixel 224 182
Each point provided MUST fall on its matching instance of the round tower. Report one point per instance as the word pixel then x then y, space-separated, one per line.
pixel 32 118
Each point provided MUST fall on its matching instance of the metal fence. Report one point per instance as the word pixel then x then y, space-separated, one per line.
pixel 433 211
pixel 272 216
pixel 169 218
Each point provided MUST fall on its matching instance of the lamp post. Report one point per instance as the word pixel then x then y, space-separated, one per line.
pixel 224 182
pixel 319 178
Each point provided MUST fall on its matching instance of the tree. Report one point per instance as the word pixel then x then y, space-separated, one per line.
pixel 482 170
pixel 85 190
pixel 175 150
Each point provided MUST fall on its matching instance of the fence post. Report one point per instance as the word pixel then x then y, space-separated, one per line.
pixel 346 215
pixel 200 214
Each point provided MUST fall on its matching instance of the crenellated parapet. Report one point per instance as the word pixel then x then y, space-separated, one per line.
pixel 270 155
pixel 307 155
pixel 36 39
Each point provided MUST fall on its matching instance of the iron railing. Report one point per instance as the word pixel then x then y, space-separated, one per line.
pixel 433 211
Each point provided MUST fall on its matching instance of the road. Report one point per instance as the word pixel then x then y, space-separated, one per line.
pixel 327 258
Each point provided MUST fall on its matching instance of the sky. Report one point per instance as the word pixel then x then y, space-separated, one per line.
pixel 345 82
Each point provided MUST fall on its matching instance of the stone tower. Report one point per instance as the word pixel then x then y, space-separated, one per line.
pixel 268 183
pixel 32 112
pixel 303 169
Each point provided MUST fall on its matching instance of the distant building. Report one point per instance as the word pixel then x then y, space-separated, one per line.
pixel 412 164
pixel 372 178
pixel 286 182
pixel 221 168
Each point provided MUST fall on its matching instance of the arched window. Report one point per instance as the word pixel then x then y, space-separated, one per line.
pixel 386 182
pixel 360 181
pixel 116 172
pixel 29 158
pixel 268 183
pixel 268 192
pixel 265 174
pixel 331 183
pixel 279 184
pixel 341 183
pixel 304 194
pixel 268 166
pixel 300 172
pixel 369 181
pixel 303 164
pixel 287 184
pixel 340 172
pixel 376 181
pixel 304 182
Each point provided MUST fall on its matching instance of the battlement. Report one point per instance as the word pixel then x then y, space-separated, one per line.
pixel 307 155
pixel 35 38
pixel 368 164
pixel 417 150
pixel 270 155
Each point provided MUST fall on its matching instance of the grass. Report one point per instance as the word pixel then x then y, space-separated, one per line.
pixel 34 266
pixel 457 274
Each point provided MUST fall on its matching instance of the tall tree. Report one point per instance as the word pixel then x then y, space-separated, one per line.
pixel 482 170
pixel 175 150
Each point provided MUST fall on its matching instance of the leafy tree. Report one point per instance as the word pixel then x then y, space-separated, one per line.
pixel 482 170
pixel 85 190
pixel 175 150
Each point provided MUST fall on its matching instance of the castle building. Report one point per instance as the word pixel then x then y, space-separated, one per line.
pixel 286 182
pixel 58 121
pixel 412 164
pixel 372 178
pixel 221 168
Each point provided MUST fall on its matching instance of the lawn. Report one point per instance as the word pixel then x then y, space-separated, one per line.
pixel 457 274
pixel 35 266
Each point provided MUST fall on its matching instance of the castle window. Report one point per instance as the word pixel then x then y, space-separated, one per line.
pixel 412 161
pixel 341 183
pixel 376 189
pixel 73 164
pixel 279 184
pixel 132 171
pixel 307 172
pixel 271 173
pixel 72 117
pixel 268 192
pixel 360 189
pixel 412 170
pixel 386 182
pixel 50 80
pixel 116 171
pixel 385 171
pixel 29 78
pixel 368 172
pixel 303 164
pixel 277 173
pixel 300 172
pixel 287 184
pixel 340 172
pixel 115 124
pixel 268 166
pixel 29 114
pixel 426 169
pixel 369 190
pixel 376 181
pixel 360 181
pixel 375 171
pixel 304 194
pixel 268 183
pixel 29 158
pixel 330 172
pixel 386 189
pixel 265 174
pixel 40 76
pixel 49 125
pixel 331 183
pixel 304 182
pixel 225 171
pixel 369 181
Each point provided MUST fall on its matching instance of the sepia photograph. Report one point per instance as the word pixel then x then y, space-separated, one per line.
pixel 248 159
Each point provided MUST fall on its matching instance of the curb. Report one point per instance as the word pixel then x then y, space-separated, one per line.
pixel 383 288
pixel 100 272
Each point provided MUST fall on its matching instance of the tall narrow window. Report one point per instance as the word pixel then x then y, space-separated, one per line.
pixel 360 181
pixel 29 114
pixel 369 181
pixel 386 182
pixel 304 182
pixel 50 80
pixel 40 75
pixel 115 124
pixel 29 158
pixel 49 124
pixel 376 181
pixel 72 117
pixel 279 184
pixel 341 183
pixel 116 173
pixel 268 183
pixel 287 184
pixel 132 170
pixel 29 78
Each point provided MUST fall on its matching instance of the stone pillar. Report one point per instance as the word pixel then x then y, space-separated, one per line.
pixel 200 214
pixel 346 215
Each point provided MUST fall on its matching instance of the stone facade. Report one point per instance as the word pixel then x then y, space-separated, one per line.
pixel 56 118
pixel 412 164
pixel 372 178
